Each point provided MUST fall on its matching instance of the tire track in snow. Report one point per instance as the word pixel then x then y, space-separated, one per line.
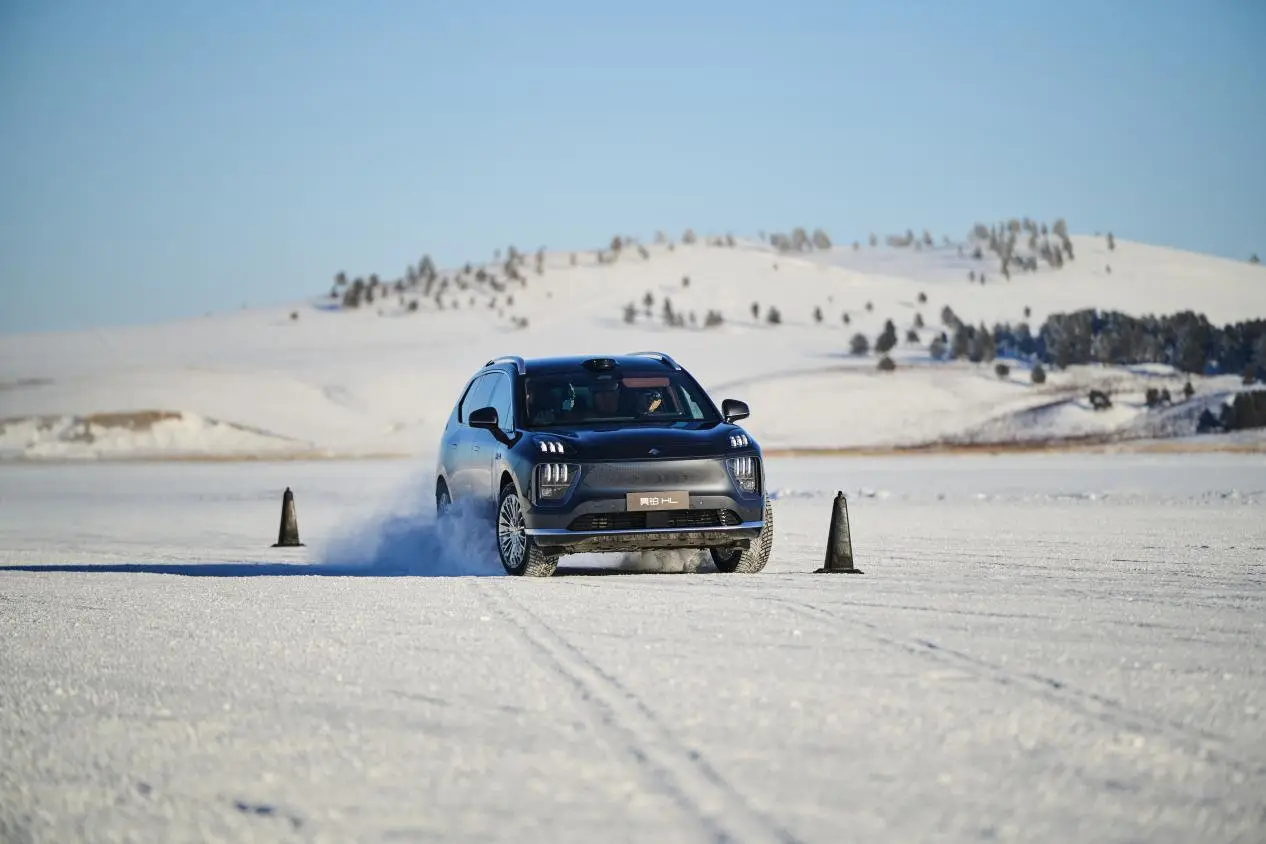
pixel 1091 704
pixel 1193 741
pixel 683 773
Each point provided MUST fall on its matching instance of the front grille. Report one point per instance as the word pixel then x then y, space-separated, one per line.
pixel 636 475
pixel 655 519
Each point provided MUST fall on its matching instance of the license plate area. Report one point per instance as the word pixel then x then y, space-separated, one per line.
pixel 643 501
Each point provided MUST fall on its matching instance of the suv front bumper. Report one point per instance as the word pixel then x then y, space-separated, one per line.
pixel 594 517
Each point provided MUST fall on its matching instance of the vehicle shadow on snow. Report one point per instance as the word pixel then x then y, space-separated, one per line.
pixel 401 545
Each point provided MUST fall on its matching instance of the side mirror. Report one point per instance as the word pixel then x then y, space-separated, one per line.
pixel 484 417
pixel 732 410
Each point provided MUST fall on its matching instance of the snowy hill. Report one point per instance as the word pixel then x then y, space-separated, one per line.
pixel 314 378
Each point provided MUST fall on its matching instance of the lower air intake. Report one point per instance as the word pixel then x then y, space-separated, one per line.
pixel 655 519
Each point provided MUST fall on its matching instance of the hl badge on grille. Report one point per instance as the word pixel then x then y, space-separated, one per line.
pixel 657 501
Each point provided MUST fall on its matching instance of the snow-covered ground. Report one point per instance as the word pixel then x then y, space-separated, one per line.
pixel 381 379
pixel 1042 647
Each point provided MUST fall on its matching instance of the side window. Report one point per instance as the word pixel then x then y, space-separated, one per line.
pixel 476 396
pixel 502 399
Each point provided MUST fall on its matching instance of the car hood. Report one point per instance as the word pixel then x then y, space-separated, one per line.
pixel 645 442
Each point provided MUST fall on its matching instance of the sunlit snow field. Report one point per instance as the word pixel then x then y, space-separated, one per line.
pixel 1048 647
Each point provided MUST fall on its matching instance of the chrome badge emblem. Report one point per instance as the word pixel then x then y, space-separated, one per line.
pixel 653 451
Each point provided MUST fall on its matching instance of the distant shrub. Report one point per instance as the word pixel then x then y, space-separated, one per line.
pixel 1253 259
pixel 887 339
pixel 912 336
pixel 688 236
pixel 847 318
pixel 413 305
pixel 885 364
pixel 870 306
pixel 685 281
pixel 1112 244
pixel 1099 400
pixel 1001 370
pixel 936 349
pixel 918 320
pixel 1037 375
pixel 712 319
pixel 817 314
pixel 630 313
pixel 294 316
pixel 755 310
pixel 773 317
pixel 820 239
pixel 1187 390
pixel 859 345
pixel 923 297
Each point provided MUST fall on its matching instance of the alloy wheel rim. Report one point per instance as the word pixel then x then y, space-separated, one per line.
pixel 511 537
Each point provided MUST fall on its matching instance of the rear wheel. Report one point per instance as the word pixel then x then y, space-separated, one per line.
pixel 519 553
pixel 748 560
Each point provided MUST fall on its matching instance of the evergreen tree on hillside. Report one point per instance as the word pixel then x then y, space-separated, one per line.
pixel 887 339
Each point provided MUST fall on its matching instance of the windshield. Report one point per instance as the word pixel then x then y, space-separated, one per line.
pixel 581 398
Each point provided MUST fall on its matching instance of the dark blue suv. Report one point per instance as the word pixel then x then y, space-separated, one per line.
pixel 592 454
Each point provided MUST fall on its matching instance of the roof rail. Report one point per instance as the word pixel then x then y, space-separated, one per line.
pixel 517 360
pixel 668 361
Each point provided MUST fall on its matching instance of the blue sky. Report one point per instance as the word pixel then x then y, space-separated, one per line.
pixel 167 159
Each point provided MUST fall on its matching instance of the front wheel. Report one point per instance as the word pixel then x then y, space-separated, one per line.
pixel 749 560
pixel 519 554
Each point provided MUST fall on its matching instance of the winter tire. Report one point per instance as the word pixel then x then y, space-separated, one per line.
pixel 753 559
pixel 442 501
pixel 519 553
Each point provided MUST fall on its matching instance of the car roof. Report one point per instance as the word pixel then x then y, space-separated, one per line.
pixel 642 362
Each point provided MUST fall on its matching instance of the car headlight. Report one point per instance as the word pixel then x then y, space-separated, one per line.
pixel 746 472
pixel 554 479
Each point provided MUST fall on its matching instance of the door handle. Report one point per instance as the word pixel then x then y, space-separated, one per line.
pixel 474 448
